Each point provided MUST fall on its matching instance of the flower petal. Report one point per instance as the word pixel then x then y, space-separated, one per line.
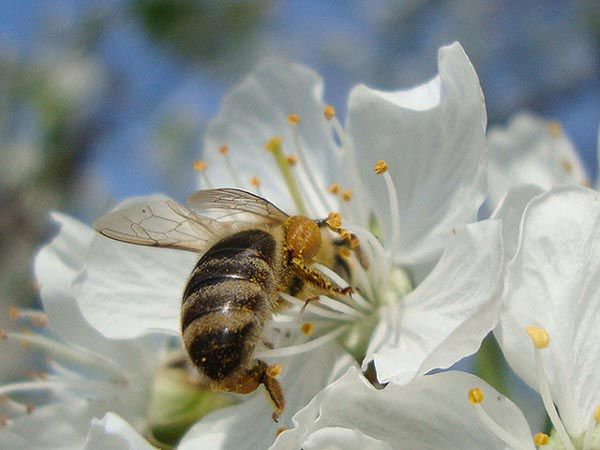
pixel 338 438
pixel 510 211
pixel 114 433
pixel 433 138
pixel 249 425
pixel 256 111
pixel 430 413
pixel 531 150
pixel 446 317
pixel 126 290
pixel 554 282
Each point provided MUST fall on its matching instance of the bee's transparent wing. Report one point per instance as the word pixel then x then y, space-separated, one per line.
pixel 229 204
pixel 160 223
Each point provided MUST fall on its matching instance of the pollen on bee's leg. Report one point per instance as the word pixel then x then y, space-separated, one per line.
pixel 334 221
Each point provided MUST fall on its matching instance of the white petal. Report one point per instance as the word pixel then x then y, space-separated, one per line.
pixel 256 111
pixel 554 282
pixel 446 317
pixel 531 150
pixel 56 267
pixel 113 433
pixel 433 139
pixel 249 425
pixel 128 290
pixel 432 412
pixel 337 438
pixel 510 211
pixel 60 426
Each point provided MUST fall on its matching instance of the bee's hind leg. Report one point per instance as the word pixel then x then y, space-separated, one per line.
pixel 267 376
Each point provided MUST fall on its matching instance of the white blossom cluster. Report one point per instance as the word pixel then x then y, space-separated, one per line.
pixel 408 171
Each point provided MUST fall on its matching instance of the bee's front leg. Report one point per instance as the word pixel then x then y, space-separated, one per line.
pixel 317 279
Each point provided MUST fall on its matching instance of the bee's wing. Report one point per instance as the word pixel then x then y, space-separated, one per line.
pixel 160 223
pixel 230 204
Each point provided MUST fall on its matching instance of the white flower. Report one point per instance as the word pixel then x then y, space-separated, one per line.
pixel 87 374
pixel 552 291
pixel 432 138
pixel 431 412
pixel 531 150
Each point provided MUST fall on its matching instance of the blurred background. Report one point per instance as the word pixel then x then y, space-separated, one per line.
pixel 101 100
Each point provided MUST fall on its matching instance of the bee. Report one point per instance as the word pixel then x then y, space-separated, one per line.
pixel 250 252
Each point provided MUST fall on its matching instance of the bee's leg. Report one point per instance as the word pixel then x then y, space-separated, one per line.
pixel 317 278
pixel 265 375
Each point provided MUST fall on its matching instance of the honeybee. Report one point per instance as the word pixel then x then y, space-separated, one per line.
pixel 250 252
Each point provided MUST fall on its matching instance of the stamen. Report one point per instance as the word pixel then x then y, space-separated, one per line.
pixel 347 195
pixel 307 328
pixel 381 168
pixel 224 150
pixel 334 189
pixel 554 129
pixel 28 386
pixel 201 166
pixel 315 186
pixel 589 431
pixel 541 439
pixel 301 348
pixel 274 370
pixel 80 356
pixel 329 112
pixel 476 398
pixel 255 183
pixel 292 160
pixel 36 317
pixel 14 406
pixel 541 339
pixel 274 146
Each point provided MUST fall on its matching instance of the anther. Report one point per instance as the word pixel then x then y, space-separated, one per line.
pixel 597 414
pixel 293 119
pixel 307 328
pixel 346 235
pixel 329 112
pixel 539 336
pixel 13 313
pixel 334 221
pixel 273 144
pixel 381 167
pixel 291 160
pixel 200 166
pixel 334 188
pixel 223 149
pixel 541 439
pixel 273 371
pixel 255 182
pixel 475 396
pixel 347 195
pixel 554 129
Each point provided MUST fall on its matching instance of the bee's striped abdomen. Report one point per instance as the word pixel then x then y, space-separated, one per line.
pixel 226 302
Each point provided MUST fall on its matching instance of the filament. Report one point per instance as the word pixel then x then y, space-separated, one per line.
pixel 497 429
pixel 301 348
pixel 310 307
pixel 394 212
pixel 274 146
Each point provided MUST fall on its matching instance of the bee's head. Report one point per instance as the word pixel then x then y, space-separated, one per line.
pixel 303 237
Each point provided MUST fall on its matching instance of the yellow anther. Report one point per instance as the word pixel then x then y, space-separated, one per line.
pixel 567 165
pixel 597 414
pixel 307 328
pixel 346 235
pixel 541 439
pixel 292 160
pixel 223 149
pixel 200 166
pixel 539 336
pixel 3 334
pixel 554 129
pixel 14 313
pixel 274 370
pixel 329 112
pixel 334 220
pixel 279 431
pixel 475 396
pixel 293 119
pixel 381 167
pixel 334 188
pixel 345 253
pixel 347 195
pixel 255 182
pixel 273 144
